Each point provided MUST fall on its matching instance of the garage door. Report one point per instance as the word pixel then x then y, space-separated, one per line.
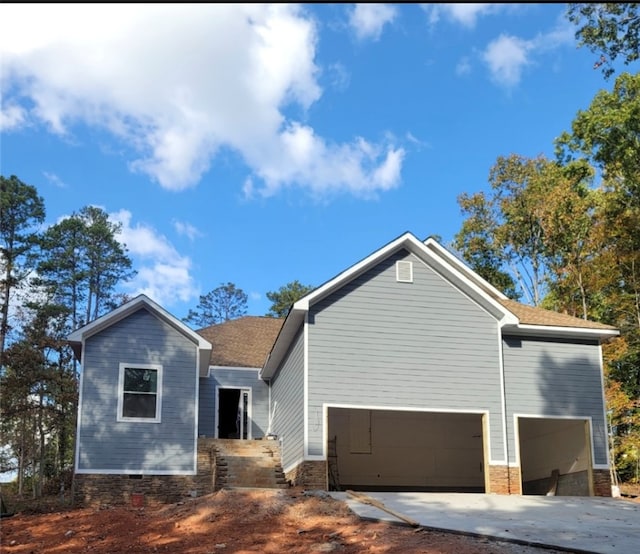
pixel 403 450
pixel 555 456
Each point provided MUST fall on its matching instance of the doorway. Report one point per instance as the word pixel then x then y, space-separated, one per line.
pixel 233 413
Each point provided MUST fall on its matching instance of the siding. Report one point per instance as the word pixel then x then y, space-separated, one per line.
pixel 109 445
pixel 245 378
pixel 554 378
pixel 421 345
pixel 287 397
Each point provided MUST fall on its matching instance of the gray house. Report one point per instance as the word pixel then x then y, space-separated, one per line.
pixel 405 372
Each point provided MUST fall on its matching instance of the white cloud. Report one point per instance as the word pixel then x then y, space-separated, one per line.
pixel 464 14
pixel 176 82
pixel 12 116
pixel 506 57
pixel 186 229
pixel 463 67
pixel 361 167
pixel 368 20
pixel 163 274
pixel 54 180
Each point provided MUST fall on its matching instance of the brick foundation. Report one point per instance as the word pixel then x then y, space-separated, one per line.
pixel 311 475
pixel 504 480
pixel 601 482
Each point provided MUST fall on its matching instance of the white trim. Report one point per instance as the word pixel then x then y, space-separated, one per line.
pixel 79 414
pixel 135 472
pixel 196 423
pixel 503 396
pixel 402 267
pixel 601 466
pixel 158 417
pixel 216 419
pixel 516 429
pixel 141 301
pixel 327 405
pixel 463 268
pixel 231 368
pixel 533 331
pixel 305 385
pixel 604 410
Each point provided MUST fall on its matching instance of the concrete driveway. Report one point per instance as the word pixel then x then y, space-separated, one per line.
pixel 576 524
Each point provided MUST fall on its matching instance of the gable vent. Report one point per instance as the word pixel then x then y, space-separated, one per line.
pixel 404 272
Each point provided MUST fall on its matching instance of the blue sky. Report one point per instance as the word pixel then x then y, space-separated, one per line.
pixel 262 144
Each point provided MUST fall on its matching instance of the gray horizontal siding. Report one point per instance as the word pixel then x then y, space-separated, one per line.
pixel 422 345
pixel 554 378
pixel 107 444
pixel 287 403
pixel 237 378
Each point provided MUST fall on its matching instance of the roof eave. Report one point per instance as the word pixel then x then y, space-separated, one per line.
pixel 550 331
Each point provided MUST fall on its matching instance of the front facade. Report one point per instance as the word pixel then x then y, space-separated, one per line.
pixel 405 372
pixel 409 372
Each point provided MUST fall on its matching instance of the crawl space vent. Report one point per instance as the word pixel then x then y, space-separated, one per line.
pixel 404 272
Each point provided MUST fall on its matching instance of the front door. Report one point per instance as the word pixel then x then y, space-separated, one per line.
pixel 233 414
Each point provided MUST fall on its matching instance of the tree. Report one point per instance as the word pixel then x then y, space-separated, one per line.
pixel 84 263
pixel 221 304
pixel 21 211
pixel 285 297
pixel 613 29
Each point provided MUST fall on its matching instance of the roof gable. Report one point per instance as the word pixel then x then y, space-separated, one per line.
pixel 242 342
pixel 511 315
pixel 79 336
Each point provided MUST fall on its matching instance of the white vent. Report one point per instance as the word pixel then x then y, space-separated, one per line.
pixel 404 272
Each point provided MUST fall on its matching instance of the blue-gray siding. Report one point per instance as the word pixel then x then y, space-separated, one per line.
pixel 423 345
pixel 554 378
pixel 234 378
pixel 105 443
pixel 287 403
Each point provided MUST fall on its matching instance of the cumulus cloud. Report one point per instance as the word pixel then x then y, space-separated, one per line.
pixel 464 14
pixel 186 229
pixel 163 273
pixel 506 57
pixel 177 83
pixel 368 20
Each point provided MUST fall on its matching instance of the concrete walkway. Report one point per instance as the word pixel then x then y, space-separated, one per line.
pixel 576 524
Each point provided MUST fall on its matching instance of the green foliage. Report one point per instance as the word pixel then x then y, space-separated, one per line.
pixel 78 262
pixel 21 211
pixel 83 263
pixel 611 29
pixel 282 299
pixel 221 304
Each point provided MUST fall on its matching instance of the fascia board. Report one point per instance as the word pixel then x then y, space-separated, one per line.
pixel 524 330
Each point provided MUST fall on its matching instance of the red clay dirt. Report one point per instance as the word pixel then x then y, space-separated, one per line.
pixel 238 521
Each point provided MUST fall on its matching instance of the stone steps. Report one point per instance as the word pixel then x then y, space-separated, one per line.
pixel 248 464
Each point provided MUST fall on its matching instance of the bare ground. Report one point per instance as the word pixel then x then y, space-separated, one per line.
pixel 237 521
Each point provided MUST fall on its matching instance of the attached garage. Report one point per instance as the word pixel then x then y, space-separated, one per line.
pixel 555 456
pixel 405 450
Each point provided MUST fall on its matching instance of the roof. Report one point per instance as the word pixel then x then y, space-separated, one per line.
pixel 513 317
pixel 140 302
pixel 242 342
pixel 530 315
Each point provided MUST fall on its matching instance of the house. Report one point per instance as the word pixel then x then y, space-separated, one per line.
pixel 407 371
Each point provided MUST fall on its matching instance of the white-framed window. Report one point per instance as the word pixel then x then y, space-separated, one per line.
pixel 140 393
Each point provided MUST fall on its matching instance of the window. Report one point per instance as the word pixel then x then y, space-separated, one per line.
pixel 139 393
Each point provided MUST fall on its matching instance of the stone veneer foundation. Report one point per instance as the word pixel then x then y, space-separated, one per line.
pixel 601 482
pixel 311 475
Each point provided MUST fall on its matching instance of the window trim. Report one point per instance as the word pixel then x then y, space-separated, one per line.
pixel 119 416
